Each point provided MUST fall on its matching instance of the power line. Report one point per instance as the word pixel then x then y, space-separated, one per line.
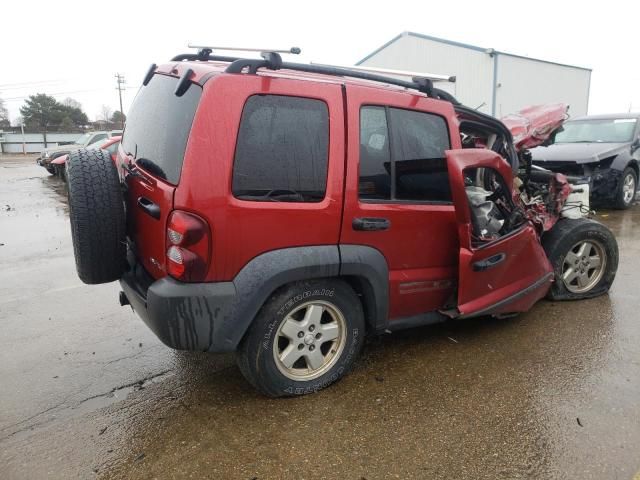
pixel 8 86
pixel 58 93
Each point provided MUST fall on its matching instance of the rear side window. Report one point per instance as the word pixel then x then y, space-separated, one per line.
pixel 282 150
pixel 158 126
pixel 402 155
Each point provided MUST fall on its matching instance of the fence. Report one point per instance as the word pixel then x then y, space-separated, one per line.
pixel 33 142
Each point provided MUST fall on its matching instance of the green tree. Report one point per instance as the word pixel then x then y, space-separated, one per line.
pixel 41 110
pixel 67 123
pixel 4 115
pixel 118 118
pixel 44 111
pixel 75 114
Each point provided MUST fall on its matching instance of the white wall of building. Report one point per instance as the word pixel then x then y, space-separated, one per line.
pixel 496 82
pixel 417 54
pixel 522 82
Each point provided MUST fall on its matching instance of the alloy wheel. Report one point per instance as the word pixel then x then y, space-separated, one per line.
pixel 628 188
pixel 583 266
pixel 309 340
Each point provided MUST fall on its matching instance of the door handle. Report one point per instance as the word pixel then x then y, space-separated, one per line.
pixel 487 263
pixel 149 207
pixel 370 224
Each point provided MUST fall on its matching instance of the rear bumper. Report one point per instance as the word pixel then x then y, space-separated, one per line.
pixel 184 316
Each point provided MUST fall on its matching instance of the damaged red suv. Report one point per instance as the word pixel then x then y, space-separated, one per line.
pixel 284 211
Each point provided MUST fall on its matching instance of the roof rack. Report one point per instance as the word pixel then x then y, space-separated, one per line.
pixel 272 60
pixel 204 53
pixel 434 77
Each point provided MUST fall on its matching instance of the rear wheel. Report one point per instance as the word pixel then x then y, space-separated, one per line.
pixel 306 337
pixel 97 217
pixel 584 255
pixel 627 188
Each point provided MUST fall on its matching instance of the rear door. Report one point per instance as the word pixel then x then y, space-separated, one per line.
pixel 397 195
pixel 500 272
pixel 154 142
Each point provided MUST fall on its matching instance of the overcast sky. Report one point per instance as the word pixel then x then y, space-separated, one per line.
pixel 74 48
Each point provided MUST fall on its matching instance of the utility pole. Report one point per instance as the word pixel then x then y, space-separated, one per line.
pixel 120 81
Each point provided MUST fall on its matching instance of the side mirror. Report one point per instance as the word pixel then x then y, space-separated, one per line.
pixel 636 144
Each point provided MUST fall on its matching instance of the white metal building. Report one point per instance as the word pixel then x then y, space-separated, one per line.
pixel 497 82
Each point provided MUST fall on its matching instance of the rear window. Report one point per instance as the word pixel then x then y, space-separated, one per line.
pixel 282 150
pixel 158 126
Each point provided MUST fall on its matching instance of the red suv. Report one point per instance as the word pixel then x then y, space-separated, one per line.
pixel 283 211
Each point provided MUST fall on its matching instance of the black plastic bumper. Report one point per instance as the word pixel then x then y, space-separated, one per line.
pixel 184 316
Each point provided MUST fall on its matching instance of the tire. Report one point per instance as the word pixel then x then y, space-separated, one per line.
pixel 626 189
pixel 574 247
pixel 314 308
pixel 97 216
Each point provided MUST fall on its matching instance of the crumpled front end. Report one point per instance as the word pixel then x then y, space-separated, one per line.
pixel 546 206
pixel 543 194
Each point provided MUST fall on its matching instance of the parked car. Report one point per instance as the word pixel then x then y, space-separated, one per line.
pixel 605 149
pixel 89 138
pixel 283 211
pixel 59 164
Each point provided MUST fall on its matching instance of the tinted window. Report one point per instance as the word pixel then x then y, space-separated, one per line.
pixel 375 159
pixel 282 150
pixel 158 126
pixel 419 142
pixel 409 164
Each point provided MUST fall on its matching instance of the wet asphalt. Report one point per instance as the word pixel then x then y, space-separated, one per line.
pixel 87 391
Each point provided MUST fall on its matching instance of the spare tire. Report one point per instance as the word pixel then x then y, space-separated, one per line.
pixel 584 255
pixel 97 216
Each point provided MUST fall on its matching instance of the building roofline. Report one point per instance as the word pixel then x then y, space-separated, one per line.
pixel 467 46
pixel 379 49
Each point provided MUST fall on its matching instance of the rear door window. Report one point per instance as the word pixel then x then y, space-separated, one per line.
pixel 282 150
pixel 158 126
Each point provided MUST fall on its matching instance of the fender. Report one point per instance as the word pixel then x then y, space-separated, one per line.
pixel 215 316
pixel 259 278
pixel 369 267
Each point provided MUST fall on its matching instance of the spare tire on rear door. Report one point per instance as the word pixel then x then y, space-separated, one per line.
pixel 96 212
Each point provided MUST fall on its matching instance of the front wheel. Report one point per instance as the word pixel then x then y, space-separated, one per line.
pixel 584 255
pixel 626 189
pixel 306 337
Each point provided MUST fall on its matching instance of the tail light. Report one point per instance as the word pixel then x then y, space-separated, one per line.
pixel 188 247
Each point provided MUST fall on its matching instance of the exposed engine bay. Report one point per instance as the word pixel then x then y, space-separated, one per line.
pixel 537 194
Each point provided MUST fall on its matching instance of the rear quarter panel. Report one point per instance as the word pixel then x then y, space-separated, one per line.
pixel 242 230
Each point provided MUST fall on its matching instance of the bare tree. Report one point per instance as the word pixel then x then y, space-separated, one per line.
pixel 72 103
pixel 105 113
